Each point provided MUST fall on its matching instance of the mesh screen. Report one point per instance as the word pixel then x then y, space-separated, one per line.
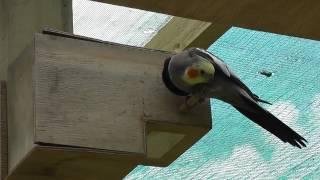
pixel 236 148
pixel 115 23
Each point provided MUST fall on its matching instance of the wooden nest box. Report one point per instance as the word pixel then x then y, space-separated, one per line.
pixel 85 109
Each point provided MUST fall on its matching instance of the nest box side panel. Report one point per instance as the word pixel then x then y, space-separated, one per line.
pixel 90 94
pixel 20 107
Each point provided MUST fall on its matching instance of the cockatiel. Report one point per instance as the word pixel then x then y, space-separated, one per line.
pixel 196 72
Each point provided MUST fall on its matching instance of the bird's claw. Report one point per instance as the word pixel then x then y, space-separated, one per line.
pixel 190 102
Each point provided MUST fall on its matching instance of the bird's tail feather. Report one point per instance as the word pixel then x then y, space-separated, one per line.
pixel 268 121
pixel 257 98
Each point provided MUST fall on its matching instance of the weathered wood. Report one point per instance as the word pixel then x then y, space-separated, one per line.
pixel 20 19
pixel 178 34
pixel 3 131
pixel 35 15
pixel 73 163
pixel 103 103
pixel 4 17
pixel 20 107
pixel 209 35
pixel 73 96
pixel 295 17
pixel 190 103
pixel 163 136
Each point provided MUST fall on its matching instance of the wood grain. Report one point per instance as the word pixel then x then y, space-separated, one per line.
pixel 294 17
pixel 177 34
pixel 20 107
pixel 90 93
pixel 61 164
pixel 3 131
pixel 83 109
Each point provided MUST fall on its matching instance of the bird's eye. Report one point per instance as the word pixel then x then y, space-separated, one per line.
pixel 202 72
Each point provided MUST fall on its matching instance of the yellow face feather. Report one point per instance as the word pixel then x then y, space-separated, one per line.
pixel 199 72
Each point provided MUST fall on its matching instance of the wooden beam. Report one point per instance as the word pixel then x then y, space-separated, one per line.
pixel 21 19
pixel 209 35
pixel 3 131
pixel 295 17
pixel 181 33
pixel 3 40
pixel 178 34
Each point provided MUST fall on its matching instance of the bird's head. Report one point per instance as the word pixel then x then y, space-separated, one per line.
pixel 199 71
pixel 185 70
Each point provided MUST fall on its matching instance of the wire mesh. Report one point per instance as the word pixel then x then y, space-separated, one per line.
pixel 236 148
pixel 115 23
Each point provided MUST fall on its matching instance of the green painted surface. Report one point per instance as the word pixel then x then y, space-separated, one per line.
pixel 236 148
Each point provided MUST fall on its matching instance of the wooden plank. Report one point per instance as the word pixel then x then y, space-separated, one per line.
pixel 3 131
pixel 20 107
pixel 172 134
pixel 209 35
pixel 31 177
pixel 92 99
pixel 61 164
pixel 3 41
pixel 90 93
pixel 35 15
pixel 31 16
pixel 295 17
pixel 178 34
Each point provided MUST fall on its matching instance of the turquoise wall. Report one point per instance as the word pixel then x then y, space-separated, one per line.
pixel 236 148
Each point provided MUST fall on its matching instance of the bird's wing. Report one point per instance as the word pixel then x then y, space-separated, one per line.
pixel 268 121
pixel 223 67
pixel 250 108
pixel 236 79
pixel 218 64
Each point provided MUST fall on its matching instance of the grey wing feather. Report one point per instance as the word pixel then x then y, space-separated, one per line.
pixel 218 64
pixel 223 67
pixel 268 121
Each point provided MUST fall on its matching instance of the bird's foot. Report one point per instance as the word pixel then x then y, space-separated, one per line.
pixel 191 102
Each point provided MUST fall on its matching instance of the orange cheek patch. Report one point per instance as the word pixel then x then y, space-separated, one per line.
pixel 193 73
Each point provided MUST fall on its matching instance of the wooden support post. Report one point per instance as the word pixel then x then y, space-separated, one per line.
pixel 3 40
pixel 3 131
pixel 20 19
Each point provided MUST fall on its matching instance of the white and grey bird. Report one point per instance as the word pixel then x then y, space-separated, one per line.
pixel 196 72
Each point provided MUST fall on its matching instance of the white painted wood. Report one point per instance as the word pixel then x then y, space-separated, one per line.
pixel 76 95
pixel 20 107
pixel 91 93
